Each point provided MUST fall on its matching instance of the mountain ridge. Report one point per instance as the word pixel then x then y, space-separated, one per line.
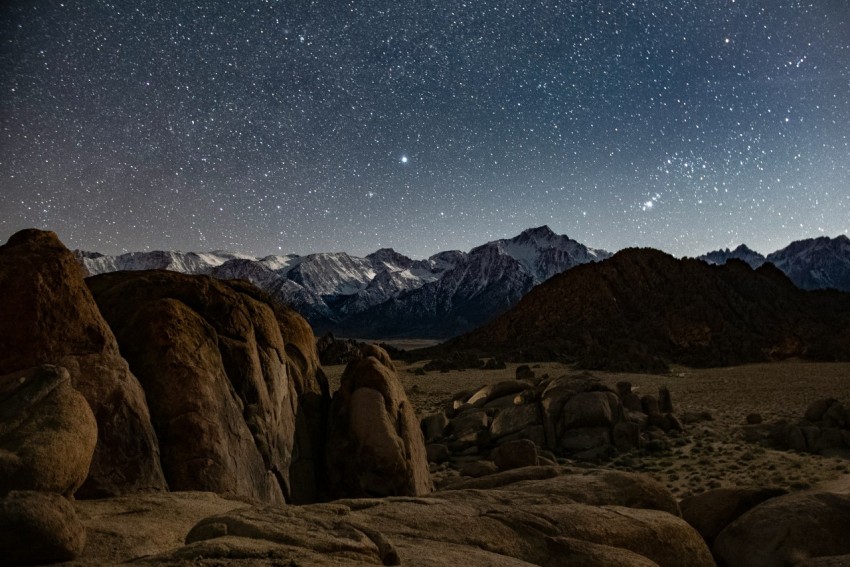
pixel 643 309
pixel 387 294
pixel 340 292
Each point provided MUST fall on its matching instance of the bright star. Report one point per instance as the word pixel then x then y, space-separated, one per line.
pixel 403 159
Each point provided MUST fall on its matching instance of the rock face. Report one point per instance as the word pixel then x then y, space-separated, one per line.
pixel 39 527
pixel 375 446
pixel 642 309
pixel 47 432
pixel 787 530
pixel 49 317
pixel 235 391
pixel 605 518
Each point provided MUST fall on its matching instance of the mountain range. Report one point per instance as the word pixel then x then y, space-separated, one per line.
pixel 385 294
pixel 643 309
pixel 813 263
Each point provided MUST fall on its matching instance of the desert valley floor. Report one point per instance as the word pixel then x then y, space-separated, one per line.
pixel 710 454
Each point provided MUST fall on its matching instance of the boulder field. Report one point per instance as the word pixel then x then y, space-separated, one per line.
pixel 168 419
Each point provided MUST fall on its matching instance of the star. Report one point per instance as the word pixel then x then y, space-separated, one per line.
pixel 304 118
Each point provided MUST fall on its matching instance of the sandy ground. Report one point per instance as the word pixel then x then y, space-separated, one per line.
pixel 710 454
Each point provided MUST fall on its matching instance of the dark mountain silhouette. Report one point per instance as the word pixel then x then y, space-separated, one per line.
pixel 642 309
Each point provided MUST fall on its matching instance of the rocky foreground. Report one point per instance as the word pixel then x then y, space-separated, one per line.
pixel 169 419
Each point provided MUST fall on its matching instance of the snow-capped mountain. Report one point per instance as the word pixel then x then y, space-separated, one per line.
pixel 813 263
pixel 185 262
pixel 816 263
pixel 720 257
pixel 386 293
pixel 478 286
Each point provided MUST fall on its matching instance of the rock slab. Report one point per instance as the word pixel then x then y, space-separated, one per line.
pixel 520 522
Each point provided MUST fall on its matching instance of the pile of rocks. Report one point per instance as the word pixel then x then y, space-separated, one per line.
pixel 824 430
pixel 337 351
pixel 531 420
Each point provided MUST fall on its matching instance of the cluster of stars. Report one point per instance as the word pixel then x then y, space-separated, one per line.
pixel 260 126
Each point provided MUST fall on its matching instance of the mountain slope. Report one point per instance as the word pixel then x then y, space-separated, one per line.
pixel 643 308
pixel 816 263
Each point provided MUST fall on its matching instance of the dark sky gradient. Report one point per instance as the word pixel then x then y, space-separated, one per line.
pixel 268 127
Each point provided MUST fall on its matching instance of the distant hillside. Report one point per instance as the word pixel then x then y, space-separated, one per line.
pixel 642 309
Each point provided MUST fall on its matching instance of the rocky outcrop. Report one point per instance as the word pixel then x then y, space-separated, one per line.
pixel 789 529
pixel 375 446
pixel 47 432
pixel 232 379
pixel 518 523
pixel 523 422
pixel 824 430
pixel 49 317
pixel 642 309
pixel 38 528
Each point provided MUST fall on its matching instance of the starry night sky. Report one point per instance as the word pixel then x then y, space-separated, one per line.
pixel 296 127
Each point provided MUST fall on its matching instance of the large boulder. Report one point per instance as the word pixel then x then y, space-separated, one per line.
pixel 123 528
pixel 49 317
pixel 39 527
pixel 571 552
pixel 515 454
pixel 711 511
pixel 47 432
pixel 375 445
pixel 788 529
pixel 532 522
pixel 232 379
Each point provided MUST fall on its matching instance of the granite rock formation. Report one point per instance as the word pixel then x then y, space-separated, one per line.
pixel 232 380
pixel 522 422
pixel 375 446
pixel 50 317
